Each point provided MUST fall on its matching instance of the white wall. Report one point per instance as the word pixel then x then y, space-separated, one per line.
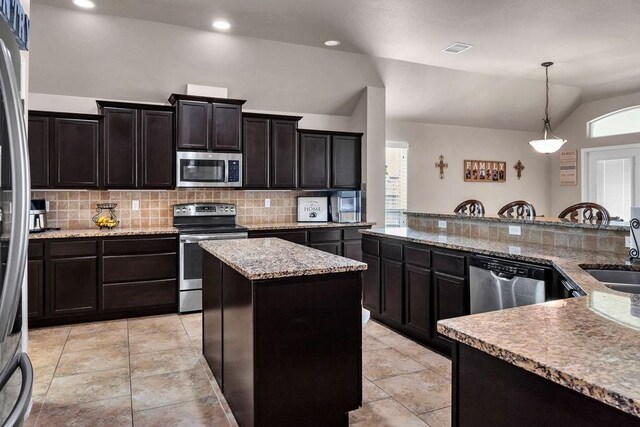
pixel 428 193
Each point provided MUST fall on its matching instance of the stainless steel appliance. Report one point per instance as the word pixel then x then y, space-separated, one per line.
pixel 198 222
pixel 16 373
pixel 197 169
pixel 346 206
pixel 38 216
pixel 496 284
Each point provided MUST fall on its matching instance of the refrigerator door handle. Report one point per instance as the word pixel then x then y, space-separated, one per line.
pixel 17 414
pixel 17 133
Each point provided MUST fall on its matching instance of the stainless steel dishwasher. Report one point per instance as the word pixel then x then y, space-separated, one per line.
pixel 496 284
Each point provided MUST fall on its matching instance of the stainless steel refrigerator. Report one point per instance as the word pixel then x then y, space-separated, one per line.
pixel 16 373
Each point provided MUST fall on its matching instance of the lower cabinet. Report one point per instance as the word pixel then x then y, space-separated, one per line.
pixel 77 280
pixel 410 287
pixel 72 285
pixel 331 247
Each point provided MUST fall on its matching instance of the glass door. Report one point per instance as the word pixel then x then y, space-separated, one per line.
pixel 202 170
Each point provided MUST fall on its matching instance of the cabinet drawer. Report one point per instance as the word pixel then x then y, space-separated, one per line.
pixel 417 256
pixel 291 236
pixel 449 264
pixel 129 268
pixel 370 246
pixel 325 235
pixel 71 249
pixel 139 246
pixel 352 233
pixel 391 251
pixel 36 250
pixel 140 294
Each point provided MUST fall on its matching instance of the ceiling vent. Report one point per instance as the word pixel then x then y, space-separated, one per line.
pixel 458 48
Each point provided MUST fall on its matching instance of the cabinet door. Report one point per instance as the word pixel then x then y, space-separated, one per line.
pixel 314 160
pixel 255 135
pixel 331 247
pixel 418 299
pixel 352 249
pixel 284 153
pixel 72 285
pixel 448 296
pixel 39 151
pixel 346 162
pixel 392 300
pixel 75 153
pixel 120 147
pixel 194 122
pixel 35 288
pixel 157 159
pixel 371 283
pixel 225 129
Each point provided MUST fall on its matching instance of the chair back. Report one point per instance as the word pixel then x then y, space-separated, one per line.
pixel 586 212
pixel 470 207
pixel 518 209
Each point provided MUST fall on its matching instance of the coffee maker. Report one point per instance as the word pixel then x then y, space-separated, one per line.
pixel 38 216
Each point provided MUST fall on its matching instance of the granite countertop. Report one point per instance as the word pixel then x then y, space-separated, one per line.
pixel 272 258
pixel 96 232
pixel 540 220
pixel 589 344
pixel 300 225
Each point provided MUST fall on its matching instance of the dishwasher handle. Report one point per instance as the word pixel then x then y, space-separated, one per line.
pixel 499 275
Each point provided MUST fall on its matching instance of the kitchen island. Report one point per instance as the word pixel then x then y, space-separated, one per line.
pixel 571 361
pixel 282 331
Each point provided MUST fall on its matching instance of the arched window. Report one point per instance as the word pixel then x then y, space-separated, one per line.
pixel 617 123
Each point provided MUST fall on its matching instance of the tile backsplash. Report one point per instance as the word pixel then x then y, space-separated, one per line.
pixel 74 209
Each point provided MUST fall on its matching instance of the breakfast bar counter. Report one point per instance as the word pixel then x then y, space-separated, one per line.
pixel 282 331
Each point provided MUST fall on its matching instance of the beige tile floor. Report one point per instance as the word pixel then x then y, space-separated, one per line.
pixel 150 372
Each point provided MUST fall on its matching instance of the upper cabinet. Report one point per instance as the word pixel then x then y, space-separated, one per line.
pixel 64 150
pixel 270 151
pixel 330 160
pixel 138 149
pixel 208 124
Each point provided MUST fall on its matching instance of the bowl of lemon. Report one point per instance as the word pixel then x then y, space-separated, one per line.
pixel 106 217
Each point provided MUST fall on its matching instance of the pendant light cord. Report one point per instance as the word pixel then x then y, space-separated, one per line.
pixel 546 107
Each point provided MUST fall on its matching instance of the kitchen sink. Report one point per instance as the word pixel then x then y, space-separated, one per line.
pixel 619 280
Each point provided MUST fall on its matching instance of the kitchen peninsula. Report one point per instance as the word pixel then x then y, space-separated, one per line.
pixel 564 361
pixel 282 331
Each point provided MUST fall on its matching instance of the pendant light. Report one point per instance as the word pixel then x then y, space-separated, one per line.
pixel 547 142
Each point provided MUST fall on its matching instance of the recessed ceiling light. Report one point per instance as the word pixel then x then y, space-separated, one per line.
pixel 332 43
pixel 458 48
pixel 87 4
pixel 221 24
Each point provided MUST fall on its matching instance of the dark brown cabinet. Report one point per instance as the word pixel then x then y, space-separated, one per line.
pixel 346 160
pixel 270 148
pixel 330 160
pixel 314 160
pixel 418 300
pixel 331 247
pixel 352 250
pixel 35 287
pixel 138 145
pixel 75 153
pixel 449 301
pixel 208 124
pixel 371 283
pixel 39 139
pixel 71 280
pixel 391 287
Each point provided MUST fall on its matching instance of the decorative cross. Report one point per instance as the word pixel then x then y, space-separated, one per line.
pixel 519 167
pixel 442 166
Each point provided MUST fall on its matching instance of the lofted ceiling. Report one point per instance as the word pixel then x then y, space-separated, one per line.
pixel 594 45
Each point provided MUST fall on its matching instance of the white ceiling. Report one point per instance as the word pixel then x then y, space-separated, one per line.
pixel 594 44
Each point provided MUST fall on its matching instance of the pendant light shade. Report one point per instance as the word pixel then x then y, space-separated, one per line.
pixel 547 142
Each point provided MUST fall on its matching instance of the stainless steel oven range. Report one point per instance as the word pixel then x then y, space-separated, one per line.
pixel 198 222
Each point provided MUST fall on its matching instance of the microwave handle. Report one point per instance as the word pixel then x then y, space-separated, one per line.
pixel 226 170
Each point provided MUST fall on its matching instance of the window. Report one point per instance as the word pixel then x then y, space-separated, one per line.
pixel 617 123
pixel 609 178
pixel 396 184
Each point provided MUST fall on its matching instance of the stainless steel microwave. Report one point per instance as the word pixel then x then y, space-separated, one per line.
pixel 197 169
